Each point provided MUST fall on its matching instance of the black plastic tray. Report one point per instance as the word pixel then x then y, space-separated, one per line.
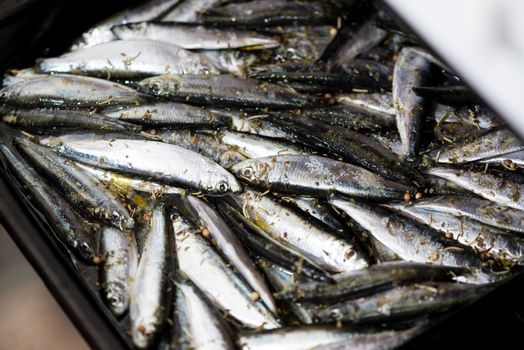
pixel 31 28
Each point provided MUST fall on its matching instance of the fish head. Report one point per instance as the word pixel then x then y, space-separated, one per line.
pixel 143 333
pixel 86 250
pixel 117 297
pixel 225 183
pixel 253 171
pixel 159 84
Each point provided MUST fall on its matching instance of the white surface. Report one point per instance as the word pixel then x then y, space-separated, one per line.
pixel 483 40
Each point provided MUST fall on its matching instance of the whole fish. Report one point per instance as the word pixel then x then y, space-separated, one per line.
pixel 402 302
pixel 68 226
pixel 198 259
pixel 194 37
pixel 482 238
pixel 410 241
pixel 129 59
pixel 260 13
pixel 205 144
pixel 315 175
pixel 166 163
pixel 167 114
pixel 497 189
pixel 359 283
pixel 227 242
pixel 63 90
pixel 150 292
pixel 198 325
pixel 101 33
pixel 411 69
pixel 119 254
pixel 188 11
pixel 222 90
pixel 255 146
pixel 79 188
pixel 322 337
pixel 493 143
pixel 309 239
pixel 50 119
pixel 477 209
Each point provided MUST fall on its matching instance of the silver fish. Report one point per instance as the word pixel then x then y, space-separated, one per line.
pixel 133 59
pixel 510 161
pixel 315 175
pixel 256 125
pixel 167 114
pixel 227 242
pixel 503 191
pixel 15 76
pixel 411 69
pixel 230 61
pixel 166 163
pixel 69 91
pixel 194 37
pixel 310 240
pixel 380 103
pixel 68 226
pixel 147 307
pixel 79 188
pixel 119 254
pixel 188 11
pixel 255 146
pixel 222 89
pixel 198 259
pixel 198 325
pixel 477 209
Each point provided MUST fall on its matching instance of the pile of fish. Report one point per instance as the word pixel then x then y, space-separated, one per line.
pixel 266 174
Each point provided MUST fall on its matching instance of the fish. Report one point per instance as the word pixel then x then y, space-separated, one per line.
pixel 403 302
pixel 198 325
pixel 255 146
pixel 411 69
pixel 254 124
pixel 50 119
pixel 308 239
pixel 493 143
pixel 478 209
pixel 317 176
pixel 381 103
pixel 259 13
pixel 147 309
pixel 449 95
pixel 497 189
pixel 65 223
pixel 477 115
pixel 118 251
pixel 129 59
pixel 188 11
pixel 70 91
pixel 15 76
pixel 376 278
pixel 222 286
pixel 167 114
pixel 482 238
pixel 194 36
pixel 222 90
pixel 162 162
pixel 228 243
pixel 79 188
pixel 510 161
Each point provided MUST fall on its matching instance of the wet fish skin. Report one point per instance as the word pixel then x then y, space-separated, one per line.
pixel 167 114
pixel 227 242
pixel 64 221
pixel 356 284
pixel 495 142
pixel 197 324
pixel 198 258
pixel 188 11
pixel 449 95
pixel 49 119
pixel 402 302
pixel 499 190
pixel 477 115
pixel 317 176
pixel 129 59
pixel 166 163
pixel 15 76
pixel 194 36
pixel 511 160
pixel 205 144
pixel 63 90
pixel 79 188
pixel 308 239
pixel 119 254
pixel 484 239
pixel 150 291
pixel 255 125
pixel 255 146
pixel 377 102
pixel 222 90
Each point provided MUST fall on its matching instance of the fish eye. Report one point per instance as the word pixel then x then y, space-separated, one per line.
pixel 248 172
pixel 85 247
pixel 222 186
pixel 156 85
